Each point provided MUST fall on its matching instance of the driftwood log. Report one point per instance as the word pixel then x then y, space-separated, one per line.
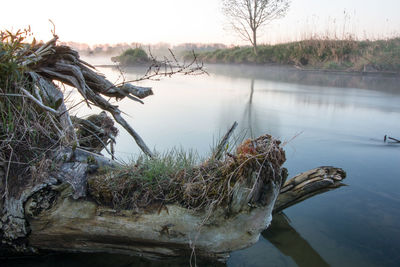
pixel 51 62
pixel 59 215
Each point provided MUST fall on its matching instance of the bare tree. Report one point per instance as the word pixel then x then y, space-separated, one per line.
pixel 247 16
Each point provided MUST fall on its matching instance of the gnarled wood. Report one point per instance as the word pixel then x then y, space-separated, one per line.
pixel 61 218
pixel 308 184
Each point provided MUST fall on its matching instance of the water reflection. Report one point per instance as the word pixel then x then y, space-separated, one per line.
pixel 290 243
pixel 313 78
pixel 258 117
pixel 247 114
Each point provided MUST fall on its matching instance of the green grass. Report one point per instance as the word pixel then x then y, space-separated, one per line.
pixel 147 180
pixel 166 165
pixel 11 48
pixel 381 55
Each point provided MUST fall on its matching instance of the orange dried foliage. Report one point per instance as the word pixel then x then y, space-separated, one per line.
pixel 246 148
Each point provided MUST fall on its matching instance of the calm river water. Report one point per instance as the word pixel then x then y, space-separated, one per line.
pixel 327 119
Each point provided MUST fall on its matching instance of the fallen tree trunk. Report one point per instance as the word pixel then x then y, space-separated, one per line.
pixel 60 216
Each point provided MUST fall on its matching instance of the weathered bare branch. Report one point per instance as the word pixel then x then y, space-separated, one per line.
pixel 38 102
pixel 308 184
pixel 168 68
pixel 62 64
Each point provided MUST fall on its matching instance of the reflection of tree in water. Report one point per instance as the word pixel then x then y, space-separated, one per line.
pixel 258 125
pixel 286 239
pixel 248 111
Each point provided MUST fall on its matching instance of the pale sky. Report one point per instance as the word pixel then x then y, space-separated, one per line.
pixel 201 21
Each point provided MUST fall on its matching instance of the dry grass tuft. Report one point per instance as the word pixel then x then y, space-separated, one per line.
pixel 176 177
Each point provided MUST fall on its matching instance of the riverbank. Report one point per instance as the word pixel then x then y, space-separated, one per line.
pixel 330 55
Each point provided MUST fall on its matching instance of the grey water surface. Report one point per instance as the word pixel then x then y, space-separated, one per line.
pixel 325 119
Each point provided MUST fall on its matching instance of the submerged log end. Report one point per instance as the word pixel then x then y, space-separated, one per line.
pixel 308 184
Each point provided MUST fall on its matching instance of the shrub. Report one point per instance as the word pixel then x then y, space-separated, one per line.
pixel 132 56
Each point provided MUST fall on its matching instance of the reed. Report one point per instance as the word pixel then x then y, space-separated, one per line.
pixel 316 53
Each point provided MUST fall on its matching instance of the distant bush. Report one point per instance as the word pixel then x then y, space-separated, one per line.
pixel 132 56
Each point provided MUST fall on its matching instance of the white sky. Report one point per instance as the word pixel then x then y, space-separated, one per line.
pixel 179 21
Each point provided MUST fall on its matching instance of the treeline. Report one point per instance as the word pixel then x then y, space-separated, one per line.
pixel 157 50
